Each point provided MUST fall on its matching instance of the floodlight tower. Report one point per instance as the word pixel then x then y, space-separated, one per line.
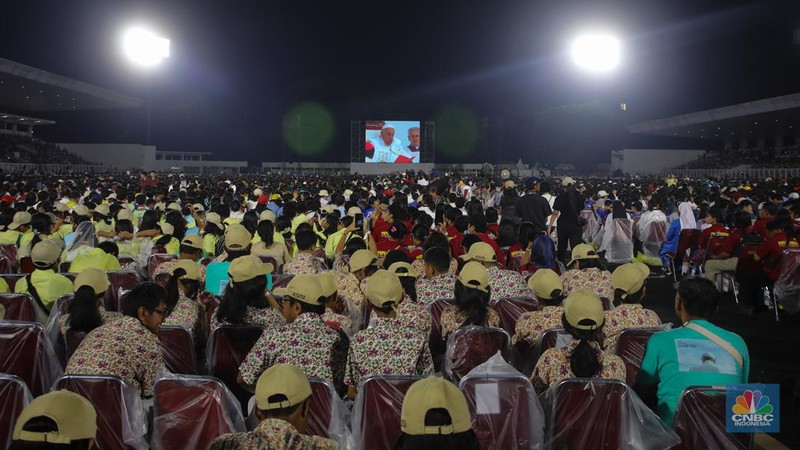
pixel 596 52
pixel 145 50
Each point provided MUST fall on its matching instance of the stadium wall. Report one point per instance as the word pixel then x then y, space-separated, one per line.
pixel 643 161
pixel 137 157
pixel 380 169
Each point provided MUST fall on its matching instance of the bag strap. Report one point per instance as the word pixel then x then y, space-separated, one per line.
pixel 34 293
pixel 719 341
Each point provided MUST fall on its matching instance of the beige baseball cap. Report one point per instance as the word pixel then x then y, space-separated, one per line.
pixel 20 218
pixel 353 210
pixel 304 288
pixel 546 284
pixel 323 193
pixel 361 259
pixel 125 214
pixel 198 207
pixel 509 184
pixel 74 416
pixel 566 181
pixel 237 237
pixel 583 251
pixel 267 215
pixel 80 210
pixel 46 252
pixel 282 379
pixel 61 207
pixel 103 210
pixel 248 267
pixel 480 251
pixel 214 218
pixel 327 209
pixel 327 281
pixel 630 277
pixel 94 278
pixel 191 268
pixel 257 192
pixel 434 393
pixel 174 207
pixel 194 241
pixel 474 275
pixel 384 288
pixel 403 269
pixel 584 310
pixel 166 228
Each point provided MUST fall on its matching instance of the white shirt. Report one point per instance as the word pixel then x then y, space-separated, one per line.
pixel 388 153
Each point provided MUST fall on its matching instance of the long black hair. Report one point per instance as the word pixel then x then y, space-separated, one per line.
pixel 473 302
pixel 266 231
pixel 173 290
pixel 584 361
pixel 238 296
pixel 40 224
pixel 175 218
pixel 84 314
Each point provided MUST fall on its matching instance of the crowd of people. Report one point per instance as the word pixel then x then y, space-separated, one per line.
pixel 757 158
pixel 26 149
pixel 369 255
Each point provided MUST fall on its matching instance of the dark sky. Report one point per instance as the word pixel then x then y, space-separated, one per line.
pixel 238 67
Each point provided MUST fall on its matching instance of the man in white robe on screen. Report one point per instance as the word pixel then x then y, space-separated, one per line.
pixel 388 148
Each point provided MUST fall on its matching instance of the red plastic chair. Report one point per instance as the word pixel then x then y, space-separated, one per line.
pixel 320 410
pixel 700 420
pixel 587 414
pixel 63 303
pixel 525 356
pixel 509 310
pixel 177 345
pixel 281 280
pixel 631 345
pixel 9 252
pixel 228 345
pixel 436 343
pixel 120 280
pixel 26 265
pixel 162 279
pixel 510 427
pixel 111 399
pixel 191 411
pixel 14 397
pixel 28 354
pixel 5 265
pixel 469 347
pixel 157 259
pixel 271 260
pixel 206 261
pixel 376 413
pixel 686 241
pixel 18 307
pixel 787 287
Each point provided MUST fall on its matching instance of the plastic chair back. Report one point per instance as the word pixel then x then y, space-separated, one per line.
pixel 281 280
pixel 26 265
pixel 631 344
pixel 687 240
pixel 157 259
pixel 321 407
pixel 9 252
pixel 469 347
pixel 11 279
pixel 509 310
pixel 18 307
pixel 653 236
pixel 228 345
pixel 587 414
pixel 122 282
pixel 437 344
pixel 177 346
pixel 28 354
pixel 14 397
pixel 191 411
pixel 787 287
pixel 700 420
pixel 376 412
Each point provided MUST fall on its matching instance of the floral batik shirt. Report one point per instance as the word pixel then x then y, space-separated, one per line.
pixel 625 316
pixel 531 325
pixel 554 366
pixel 272 434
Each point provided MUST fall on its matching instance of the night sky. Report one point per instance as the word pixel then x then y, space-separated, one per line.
pixel 495 71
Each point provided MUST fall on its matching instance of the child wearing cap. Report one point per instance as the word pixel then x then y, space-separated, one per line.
pixel 191 249
pixel 86 311
pixel 44 284
pixel 435 415
pixel 587 271
pixel 103 257
pixel 471 305
pixel 18 231
pixel 583 318
pixel 268 245
pixel 333 304
pixel 504 283
pixel 61 419
pixel 213 231
pixel 237 244
pixel 183 288
pixel 546 284
pixel 388 347
pixel 166 239
pixel 629 291
pixel 304 262
pixel 305 340
pixel 245 301
pixel 283 399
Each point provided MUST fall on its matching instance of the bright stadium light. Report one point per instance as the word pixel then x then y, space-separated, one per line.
pixel 145 48
pixel 596 52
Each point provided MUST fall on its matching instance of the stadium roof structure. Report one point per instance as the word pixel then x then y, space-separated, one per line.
pixel 768 118
pixel 24 120
pixel 27 89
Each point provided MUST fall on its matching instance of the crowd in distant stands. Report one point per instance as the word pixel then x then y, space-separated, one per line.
pixel 26 149
pixel 769 157
pixel 357 276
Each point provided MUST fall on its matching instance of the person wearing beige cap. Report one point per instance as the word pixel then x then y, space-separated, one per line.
pixel 504 283
pixel 44 284
pixel 103 257
pixel 245 301
pixel 335 307
pixel 58 419
pixel 629 291
pixel 363 263
pixel 304 262
pixel 283 398
pixel 18 230
pixel 305 341
pixel 583 319
pixel 213 232
pixel 237 244
pixel 86 311
pixel 388 347
pixel 471 305
pixel 103 222
pixel 166 239
pixel 546 284
pixel 267 242
pixel 191 249
pixel 587 271
pixel 183 290
pixel 435 415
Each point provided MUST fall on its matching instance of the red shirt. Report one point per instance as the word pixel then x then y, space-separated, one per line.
pixel 719 234
pixel 492 228
pixel 455 245
pixel 415 253
pixel 773 248
pixel 760 226
pixel 386 246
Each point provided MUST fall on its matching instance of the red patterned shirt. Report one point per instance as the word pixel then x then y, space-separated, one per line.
pixel 507 283
pixel 531 325
pixel 554 366
pixel 432 289
pixel 260 317
pixel 626 316
pixel 595 280
pixel 124 348
pixel 452 318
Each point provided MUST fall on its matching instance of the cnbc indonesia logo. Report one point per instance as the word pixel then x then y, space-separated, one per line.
pixel 752 409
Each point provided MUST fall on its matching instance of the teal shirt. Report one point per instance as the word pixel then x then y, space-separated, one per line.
pixel 679 358
pixel 217 278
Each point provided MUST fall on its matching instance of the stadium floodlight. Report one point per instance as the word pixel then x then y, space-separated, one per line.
pixel 596 52
pixel 144 47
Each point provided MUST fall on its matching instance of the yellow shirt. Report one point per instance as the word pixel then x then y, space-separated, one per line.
pixel 173 246
pixel 103 226
pixel 96 258
pixel 276 237
pixel 9 237
pixel 332 242
pixel 210 244
pixel 3 288
pixel 231 221
pixel 64 230
pixel 130 248
pixel 300 218
pixel 49 285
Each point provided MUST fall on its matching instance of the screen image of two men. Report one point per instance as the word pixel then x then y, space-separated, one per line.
pixel 385 145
